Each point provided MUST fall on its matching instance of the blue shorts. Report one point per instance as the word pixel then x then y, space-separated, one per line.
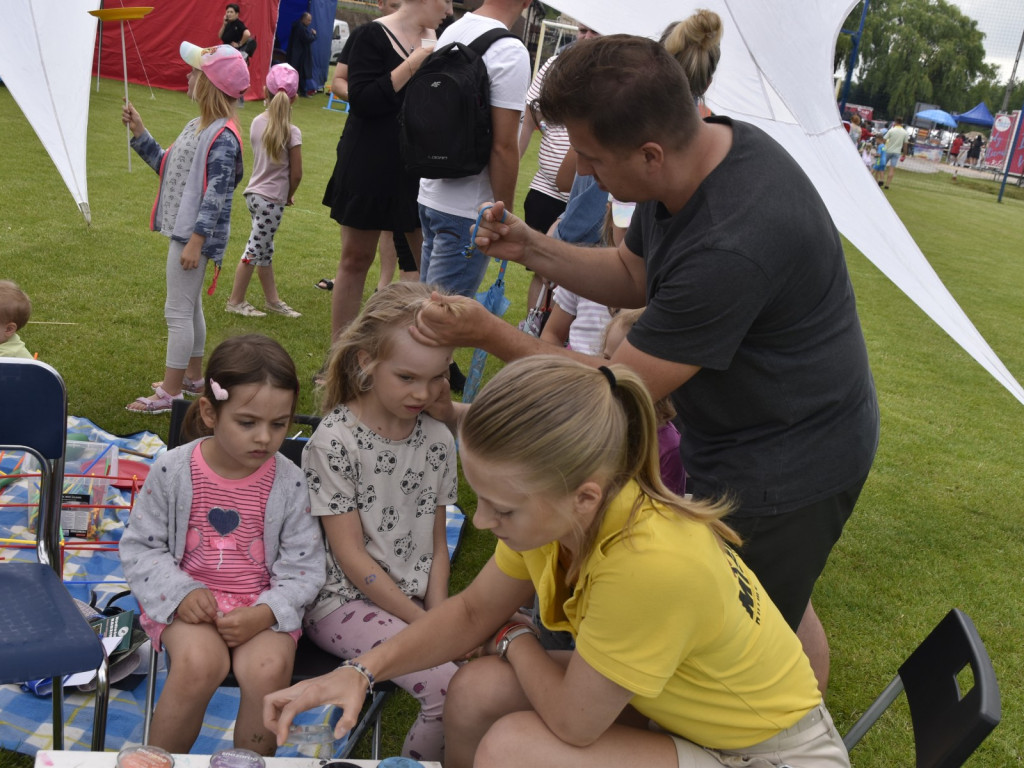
pixel 893 159
pixel 444 262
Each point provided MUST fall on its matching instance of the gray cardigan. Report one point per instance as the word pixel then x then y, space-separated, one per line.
pixel 154 541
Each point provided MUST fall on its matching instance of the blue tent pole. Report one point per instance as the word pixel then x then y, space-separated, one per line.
pixel 853 57
pixel 1009 156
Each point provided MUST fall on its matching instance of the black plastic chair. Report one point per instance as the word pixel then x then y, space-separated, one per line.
pixel 310 660
pixel 949 723
pixel 42 632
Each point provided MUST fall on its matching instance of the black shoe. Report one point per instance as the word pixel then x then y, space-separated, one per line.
pixel 456 380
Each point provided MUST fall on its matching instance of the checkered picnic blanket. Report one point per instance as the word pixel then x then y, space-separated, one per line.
pixel 25 719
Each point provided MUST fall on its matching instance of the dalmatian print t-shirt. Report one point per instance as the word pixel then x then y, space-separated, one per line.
pixel 395 486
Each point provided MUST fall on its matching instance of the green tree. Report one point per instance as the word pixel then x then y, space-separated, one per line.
pixel 916 50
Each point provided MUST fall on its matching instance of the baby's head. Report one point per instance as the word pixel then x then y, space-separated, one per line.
pixel 372 338
pixel 15 309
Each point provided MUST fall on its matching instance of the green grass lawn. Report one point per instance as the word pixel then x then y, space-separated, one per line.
pixel 939 523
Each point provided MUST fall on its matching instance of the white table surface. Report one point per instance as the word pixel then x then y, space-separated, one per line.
pixel 48 758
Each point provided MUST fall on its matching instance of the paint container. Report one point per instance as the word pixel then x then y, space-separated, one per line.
pixel 144 757
pixel 236 758
pixel 312 732
pixel 399 762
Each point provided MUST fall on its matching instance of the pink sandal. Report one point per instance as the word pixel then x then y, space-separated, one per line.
pixel 188 386
pixel 160 403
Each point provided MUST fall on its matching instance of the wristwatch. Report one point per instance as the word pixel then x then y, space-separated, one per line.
pixel 511 635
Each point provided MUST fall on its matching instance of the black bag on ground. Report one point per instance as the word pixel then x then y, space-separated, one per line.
pixel 446 116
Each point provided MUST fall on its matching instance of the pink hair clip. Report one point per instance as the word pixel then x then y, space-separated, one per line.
pixel 219 393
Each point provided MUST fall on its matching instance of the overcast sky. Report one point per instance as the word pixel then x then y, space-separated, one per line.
pixel 1002 21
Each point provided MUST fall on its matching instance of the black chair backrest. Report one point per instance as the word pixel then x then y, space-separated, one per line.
pixel 949 724
pixel 178 410
pixel 33 407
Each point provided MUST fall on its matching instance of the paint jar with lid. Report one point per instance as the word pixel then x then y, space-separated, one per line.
pixel 236 758
pixel 144 757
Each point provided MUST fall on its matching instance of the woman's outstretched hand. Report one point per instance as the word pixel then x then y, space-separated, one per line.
pixel 345 687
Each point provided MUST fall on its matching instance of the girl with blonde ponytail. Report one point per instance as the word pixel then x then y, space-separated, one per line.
pixel 680 657
pixel 277 171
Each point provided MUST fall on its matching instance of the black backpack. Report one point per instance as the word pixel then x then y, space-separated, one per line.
pixel 446 116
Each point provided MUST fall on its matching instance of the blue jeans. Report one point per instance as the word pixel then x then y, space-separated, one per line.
pixel 444 263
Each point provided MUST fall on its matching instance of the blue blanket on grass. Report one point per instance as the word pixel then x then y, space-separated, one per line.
pixel 25 719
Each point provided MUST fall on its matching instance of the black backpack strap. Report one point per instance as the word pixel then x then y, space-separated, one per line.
pixel 482 43
pixel 398 42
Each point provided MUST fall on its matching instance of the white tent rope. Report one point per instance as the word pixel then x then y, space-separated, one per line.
pixel 142 63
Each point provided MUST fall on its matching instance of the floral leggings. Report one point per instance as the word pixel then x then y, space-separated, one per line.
pixel 360 625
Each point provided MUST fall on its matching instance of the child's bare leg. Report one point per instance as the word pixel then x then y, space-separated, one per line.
pixel 243 274
pixel 199 663
pixel 266 275
pixel 388 259
pixel 262 665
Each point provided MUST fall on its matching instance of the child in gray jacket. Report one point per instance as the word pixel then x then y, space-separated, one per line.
pixel 221 550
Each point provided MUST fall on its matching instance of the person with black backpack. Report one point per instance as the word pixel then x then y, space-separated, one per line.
pixel 454 185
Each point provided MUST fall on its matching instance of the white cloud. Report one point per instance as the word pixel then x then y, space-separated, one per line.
pixel 1002 21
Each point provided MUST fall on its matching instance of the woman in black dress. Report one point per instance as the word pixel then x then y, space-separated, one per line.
pixel 369 190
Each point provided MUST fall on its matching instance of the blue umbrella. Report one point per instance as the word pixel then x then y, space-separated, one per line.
pixel 497 304
pixel 936 116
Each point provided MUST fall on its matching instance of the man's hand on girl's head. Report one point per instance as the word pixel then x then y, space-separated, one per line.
pixel 449 321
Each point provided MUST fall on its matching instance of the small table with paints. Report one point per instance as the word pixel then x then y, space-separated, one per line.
pixel 47 758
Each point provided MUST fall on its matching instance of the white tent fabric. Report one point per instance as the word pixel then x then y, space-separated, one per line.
pixel 45 51
pixel 776 73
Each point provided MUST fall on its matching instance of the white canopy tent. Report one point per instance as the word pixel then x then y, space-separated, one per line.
pixel 776 73
pixel 45 55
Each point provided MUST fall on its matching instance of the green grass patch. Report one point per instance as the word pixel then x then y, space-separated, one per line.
pixel 939 523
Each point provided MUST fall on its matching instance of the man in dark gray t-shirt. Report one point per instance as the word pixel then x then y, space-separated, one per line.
pixel 750 321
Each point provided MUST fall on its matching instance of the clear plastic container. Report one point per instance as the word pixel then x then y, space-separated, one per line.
pixel 312 732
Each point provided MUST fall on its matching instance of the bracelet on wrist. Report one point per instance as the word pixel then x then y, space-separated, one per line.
pixel 510 633
pixel 367 674
pixel 506 629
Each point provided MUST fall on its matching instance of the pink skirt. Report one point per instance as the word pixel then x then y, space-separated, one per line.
pixel 226 602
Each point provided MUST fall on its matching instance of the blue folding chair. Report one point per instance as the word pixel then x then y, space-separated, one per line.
pixel 42 633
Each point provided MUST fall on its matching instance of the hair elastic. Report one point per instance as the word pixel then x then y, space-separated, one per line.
pixel 609 375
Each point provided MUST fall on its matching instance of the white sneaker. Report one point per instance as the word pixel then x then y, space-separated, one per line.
pixel 245 309
pixel 280 308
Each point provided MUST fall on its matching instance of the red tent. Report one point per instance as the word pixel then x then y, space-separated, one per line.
pixel 152 42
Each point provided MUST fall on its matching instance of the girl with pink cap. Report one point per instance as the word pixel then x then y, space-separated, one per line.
pixel 198 175
pixel 276 173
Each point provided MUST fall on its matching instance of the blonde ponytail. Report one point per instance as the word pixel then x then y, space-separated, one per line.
pixel 279 127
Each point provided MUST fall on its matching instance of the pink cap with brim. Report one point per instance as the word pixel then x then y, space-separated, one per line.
pixel 223 65
pixel 283 77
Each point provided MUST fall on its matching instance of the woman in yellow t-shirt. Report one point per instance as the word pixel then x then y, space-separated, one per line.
pixel 680 657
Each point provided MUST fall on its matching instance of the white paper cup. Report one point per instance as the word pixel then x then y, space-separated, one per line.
pixel 427 43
